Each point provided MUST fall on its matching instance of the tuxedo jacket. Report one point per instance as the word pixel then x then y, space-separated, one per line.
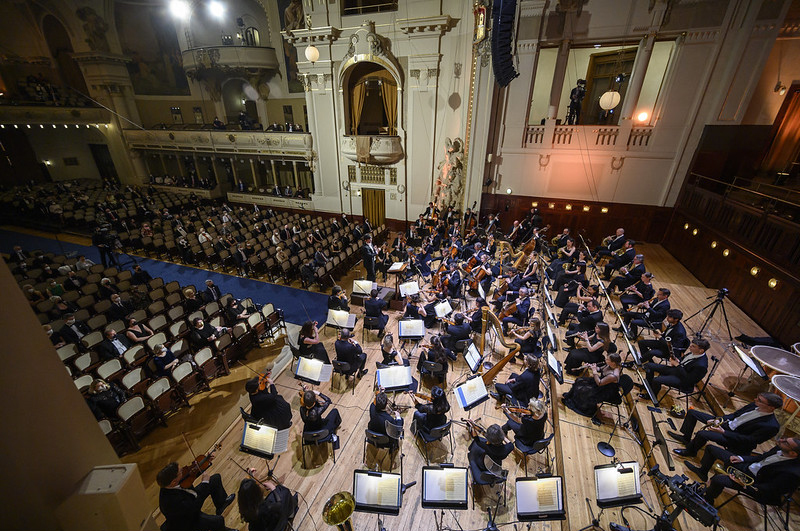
pixel 744 439
pixel 107 351
pixel 775 480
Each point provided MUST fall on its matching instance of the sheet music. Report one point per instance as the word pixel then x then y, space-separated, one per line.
pixel 396 267
pixel 750 362
pixel 409 288
pixel 411 328
pixel 443 309
pixel 314 370
pixel 377 490
pixel 612 484
pixel 472 357
pixel 471 391
pixel 341 319
pixel 539 496
pixel 626 485
pixel 447 484
pixel 265 438
pixel 364 286
pixel 393 377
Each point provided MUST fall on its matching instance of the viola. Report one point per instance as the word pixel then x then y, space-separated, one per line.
pixel 189 473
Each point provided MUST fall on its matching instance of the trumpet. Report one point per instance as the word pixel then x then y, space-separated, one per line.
pixel 743 477
pixel 715 422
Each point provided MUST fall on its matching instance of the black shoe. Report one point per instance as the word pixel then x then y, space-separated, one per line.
pixel 496 396
pixel 362 373
pixel 228 501
pixel 596 421
pixel 681 438
pixel 683 452
pixel 644 396
pixel 697 470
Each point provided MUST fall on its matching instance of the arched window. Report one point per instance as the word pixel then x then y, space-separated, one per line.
pixel 372 98
pixel 251 37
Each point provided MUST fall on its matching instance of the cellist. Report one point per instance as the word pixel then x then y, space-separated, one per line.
pixel 182 507
pixel 520 317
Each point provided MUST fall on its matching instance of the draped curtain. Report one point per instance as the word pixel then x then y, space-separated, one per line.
pixel 389 93
pixel 359 93
pixel 786 147
pixel 373 204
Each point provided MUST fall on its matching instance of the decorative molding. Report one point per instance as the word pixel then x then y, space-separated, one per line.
pixel 701 36
pixel 13 59
pixel 526 46
pixel 617 163
pixel 531 8
pixel 426 26
pixel 101 58
pixel 309 36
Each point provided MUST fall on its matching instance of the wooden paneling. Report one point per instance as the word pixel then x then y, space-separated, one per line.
pixel 641 222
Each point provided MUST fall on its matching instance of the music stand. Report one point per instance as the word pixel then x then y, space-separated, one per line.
pixel 472 392
pixel 364 287
pixel 658 435
pixel 749 363
pixel 411 329
pixel 473 358
pixel 409 288
pixel 445 487
pixel 377 492
pixel 394 378
pixel 555 367
pixel 312 371
pixel 551 337
pixel 339 319
pixel 443 309
pixel 617 485
pixel 632 351
pixel 264 441
pixel 540 499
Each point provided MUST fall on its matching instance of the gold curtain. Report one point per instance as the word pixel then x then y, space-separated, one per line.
pixel 389 93
pixel 785 146
pixel 373 205
pixel 359 93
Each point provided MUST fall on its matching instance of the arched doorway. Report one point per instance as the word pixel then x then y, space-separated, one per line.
pixel 372 100
pixel 61 50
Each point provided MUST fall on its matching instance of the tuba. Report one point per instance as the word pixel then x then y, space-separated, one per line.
pixel 338 510
pixel 745 478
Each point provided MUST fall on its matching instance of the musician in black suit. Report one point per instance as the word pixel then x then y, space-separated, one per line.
pixel 638 293
pixel 615 242
pixel 312 406
pixel 454 282
pixel 378 417
pixel 740 432
pixel 673 337
pixel 588 317
pixel 456 332
pixel 183 507
pixel 268 406
pixel 650 313
pixel 349 351
pixel 527 428
pixel 113 346
pixel 521 387
pixel 520 317
pixel 776 472
pixel 682 374
pixel 495 445
pixel 337 300
pixel 368 254
pixel 627 277
pixel 373 307
pixel 625 258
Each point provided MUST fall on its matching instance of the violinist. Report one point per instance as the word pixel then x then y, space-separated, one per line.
pixel 338 299
pixel 390 354
pixel 312 405
pixel 349 351
pixel 268 406
pixel 399 246
pixel 528 427
pixel 520 317
pixel 309 343
pixel 430 319
pixel 456 332
pixel 528 339
pixel 414 309
pixel 380 415
pixel 433 414
pixel 494 444
pixel 383 260
pixel 436 354
pixel 182 507
pixel 520 388
pixel 373 307
pixel 272 512
pixel 514 281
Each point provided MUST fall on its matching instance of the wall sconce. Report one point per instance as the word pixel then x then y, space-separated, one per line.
pixel 642 116
pixel 358 192
pixel 714 244
pixel 604 210
pixel 754 270
pixel 47 162
pixel 551 205
pixel 694 232
pixel 726 252
pixel 586 208
pixel 508 191
pixel 312 54
pixel 568 207
pixel 686 226
pixel 780 89
pixel 773 283
pixel 535 204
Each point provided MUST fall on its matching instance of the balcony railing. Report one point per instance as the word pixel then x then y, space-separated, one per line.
pixel 378 149
pixel 48 116
pixel 585 137
pixel 244 142
pixel 224 57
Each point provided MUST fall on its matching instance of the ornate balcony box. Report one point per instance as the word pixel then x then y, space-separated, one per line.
pixel 244 142
pixel 229 58
pixel 383 149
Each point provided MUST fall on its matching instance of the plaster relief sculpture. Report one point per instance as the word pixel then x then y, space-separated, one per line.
pixel 450 183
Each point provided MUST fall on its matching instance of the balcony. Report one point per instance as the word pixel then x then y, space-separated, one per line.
pixel 226 58
pixel 378 149
pixel 242 142
pixel 44 115
pixel 599 138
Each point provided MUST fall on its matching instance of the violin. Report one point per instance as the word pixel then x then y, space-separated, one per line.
pixel 263 379
pixel 189 473
pixel 518 410
pixel 474 427
pixel 421 396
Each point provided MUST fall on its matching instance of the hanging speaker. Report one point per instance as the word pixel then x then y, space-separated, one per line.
pixel 503 13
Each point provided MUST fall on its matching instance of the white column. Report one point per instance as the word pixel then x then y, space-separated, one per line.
pixel 637 77
pixel 558 79
pixel 261 109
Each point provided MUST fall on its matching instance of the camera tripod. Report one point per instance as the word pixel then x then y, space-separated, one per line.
pixel 717 303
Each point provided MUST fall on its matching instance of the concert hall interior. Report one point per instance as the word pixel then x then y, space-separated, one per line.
pixel 454 264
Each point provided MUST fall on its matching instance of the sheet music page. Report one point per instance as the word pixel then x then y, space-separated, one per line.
pixel 472 356
pixel 626 485
pixel 325 373
pixel 612 484
pixel 281 443
pixel 445 485
pixel 412 328
pixel 377 490
pixel 471 391
pixel 392 377
pixel 310 368
pixel 362 286
pixel 409 288
pixel 259 437
pixel 540 496
pixel 443 309
pixel 396 267
pixel 547 496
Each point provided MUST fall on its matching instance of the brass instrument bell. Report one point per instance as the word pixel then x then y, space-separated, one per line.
pixel 338 510
pixel 741 476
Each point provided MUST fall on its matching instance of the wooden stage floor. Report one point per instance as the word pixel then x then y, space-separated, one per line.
pixel 214 418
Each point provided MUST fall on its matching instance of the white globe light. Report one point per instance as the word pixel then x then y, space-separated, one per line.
pixel 312 53
pixel 216 9
pixel 642 116
pixel 179 9
pixel 609 100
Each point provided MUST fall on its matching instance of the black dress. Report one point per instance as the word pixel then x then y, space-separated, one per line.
pixel 586 395
pixel 316 351
pixel 579 356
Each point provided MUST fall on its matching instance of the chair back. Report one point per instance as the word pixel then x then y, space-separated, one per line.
pixel 372 323
pixel 625 384
pixel 83 382
pixel 393 430
pixel 432 367
pixel 462 344
pixel 158 388
pixel 494 470
pixel 315 437
pixel 542 444
pixel 129 408
pixel 340 366
pixel 203 356
pixel 109 368
pixel 133 377
pixel 182 371
pixel 440 431
pixel 375 438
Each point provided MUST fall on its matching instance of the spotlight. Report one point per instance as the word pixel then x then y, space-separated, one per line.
pixel 686 226
pixel 714 244
pixel 620 78
pixel 535 204
pixel 780 89
pixel 604 210
pixel 216 9
pixel 726 252
pixel 586 208
pixel 754 270
pixel 773 283
pixel 508 191
pixel 180 9
pixel 694 232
